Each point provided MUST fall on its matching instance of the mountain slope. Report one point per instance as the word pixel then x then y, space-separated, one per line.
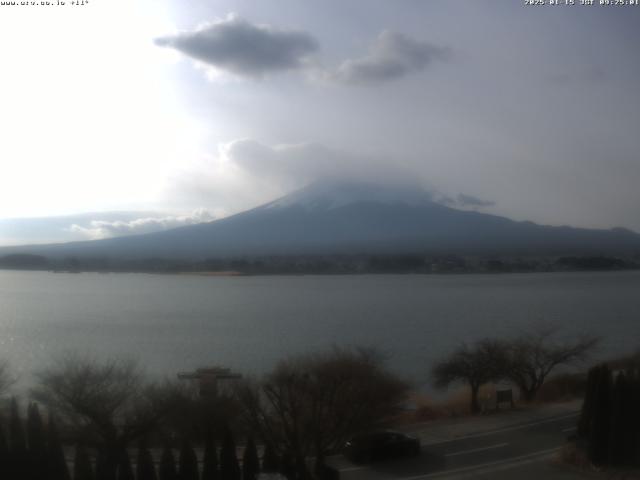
pixel 352 219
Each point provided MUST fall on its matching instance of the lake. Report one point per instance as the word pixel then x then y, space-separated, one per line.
pixel 172 323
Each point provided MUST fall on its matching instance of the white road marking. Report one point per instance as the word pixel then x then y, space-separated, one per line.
pixel 477 435
pixel 351 469
pixel 508 462
pixel 570 429
pixel 505 429
pixel 474 450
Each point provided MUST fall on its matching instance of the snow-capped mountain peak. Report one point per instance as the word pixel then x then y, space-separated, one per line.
pixel 332 195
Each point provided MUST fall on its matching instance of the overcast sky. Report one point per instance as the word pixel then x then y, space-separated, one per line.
pixel 204 108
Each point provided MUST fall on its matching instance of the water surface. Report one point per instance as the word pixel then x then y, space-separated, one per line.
pixel 179 322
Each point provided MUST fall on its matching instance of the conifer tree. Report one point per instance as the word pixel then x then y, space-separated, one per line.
pixel 619 423
pixel 56 462
pixel 229 467
pixel 168 465
pixel 610 418
pixel 5 456
pixel 35 432
pixel 250 461
pixel 102 470
pixel 586 413
pixel 125 471
pixel 287 467
pixel 37 443
pixel 145 469
pixel 631 449
pixel 82 469
pixel 270 459
pixel 599 432
pixel 19 465
pixel 210 469
pixel 4 446
pixel 188 462
pixel 634 449
pixel 16 432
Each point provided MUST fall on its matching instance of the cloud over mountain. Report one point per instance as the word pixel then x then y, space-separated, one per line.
pixel 471 201
pixel 96 225
pixel 299 164
pixel 246 172
pixel 99 229
pixel 237 46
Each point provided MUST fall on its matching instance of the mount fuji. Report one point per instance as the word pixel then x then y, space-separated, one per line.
pixel 336 218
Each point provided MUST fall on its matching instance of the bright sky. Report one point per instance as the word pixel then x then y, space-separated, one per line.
pixel 173 106
pixel 89 116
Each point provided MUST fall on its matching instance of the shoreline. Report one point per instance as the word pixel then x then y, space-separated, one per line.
pixel 209 273
pixel 237 273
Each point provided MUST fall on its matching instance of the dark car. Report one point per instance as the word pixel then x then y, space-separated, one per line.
pixel 373 446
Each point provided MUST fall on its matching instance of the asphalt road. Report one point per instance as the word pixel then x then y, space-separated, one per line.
pixel 514 447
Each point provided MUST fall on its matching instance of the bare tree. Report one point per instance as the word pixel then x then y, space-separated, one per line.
pixel 311 404
pixel 534 355
pixel 197 415
pixel 109 400
pixel 6 379
pixel 476 364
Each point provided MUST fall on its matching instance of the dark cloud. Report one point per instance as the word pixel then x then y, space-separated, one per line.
pixel 242 48
pixel 392 55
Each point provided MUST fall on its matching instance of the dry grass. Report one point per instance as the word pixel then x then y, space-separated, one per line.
pixel 575 458
pixel 455 404
pixel 563 387
pixel 559 388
